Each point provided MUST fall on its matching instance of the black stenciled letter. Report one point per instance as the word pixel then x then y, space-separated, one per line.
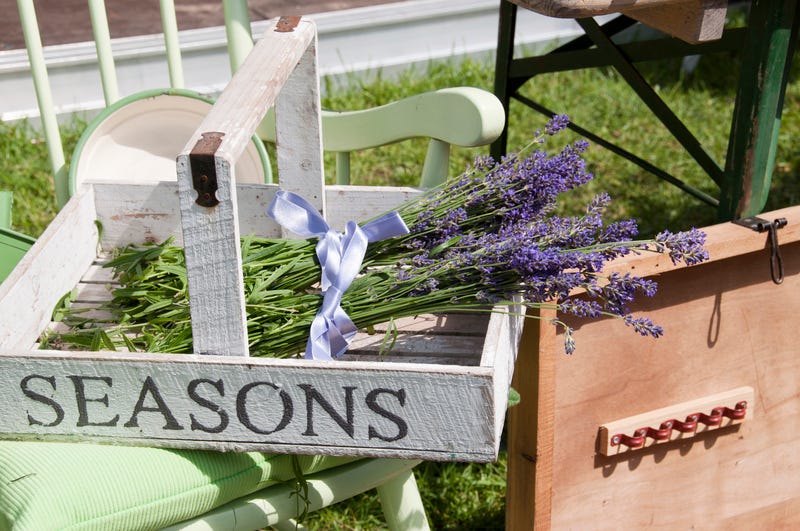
pixel 372 403
pixel 23 384
pixel 314 395
pixel 244 416
pixel 223 415
pixel 81 400
pixel 149 387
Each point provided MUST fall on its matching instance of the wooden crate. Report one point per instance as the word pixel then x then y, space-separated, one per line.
pixel 441 395
pixel 728 328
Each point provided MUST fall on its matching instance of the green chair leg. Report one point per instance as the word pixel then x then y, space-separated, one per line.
pixel 402 504
pixel 278 506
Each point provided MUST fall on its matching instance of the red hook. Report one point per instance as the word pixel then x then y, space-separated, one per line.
pixel 637 441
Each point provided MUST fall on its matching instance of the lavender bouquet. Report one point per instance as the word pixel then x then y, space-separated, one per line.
pixel 488 237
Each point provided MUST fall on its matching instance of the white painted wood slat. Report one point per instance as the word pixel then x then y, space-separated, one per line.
pixel 206 182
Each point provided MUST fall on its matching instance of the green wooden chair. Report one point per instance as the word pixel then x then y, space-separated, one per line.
pixel 84 486
pixel 13 244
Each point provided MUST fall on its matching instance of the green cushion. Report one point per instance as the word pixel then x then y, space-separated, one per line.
pixel 85 486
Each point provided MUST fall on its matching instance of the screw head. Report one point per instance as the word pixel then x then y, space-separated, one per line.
pixel 615 440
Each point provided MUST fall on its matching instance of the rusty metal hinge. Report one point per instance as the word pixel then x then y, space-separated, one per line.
pixel 287 24
pixel 204 168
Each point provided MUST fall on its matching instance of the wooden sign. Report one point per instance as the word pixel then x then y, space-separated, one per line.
pixel 270 405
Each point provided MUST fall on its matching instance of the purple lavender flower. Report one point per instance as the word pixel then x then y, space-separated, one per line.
pixel 556 124
pixel 644 326
pixel 621 289
pixel 569 338
pixel 581 307
pixel 491 235
pixel 684 247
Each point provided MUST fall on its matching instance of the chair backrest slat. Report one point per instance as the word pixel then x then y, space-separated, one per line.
pixel 237 30
pixel 105 57
pixel 437 163
pixel 169 25
pixel 342 167
pixel 44 98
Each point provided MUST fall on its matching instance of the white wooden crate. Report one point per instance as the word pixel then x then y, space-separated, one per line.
pixel 441 394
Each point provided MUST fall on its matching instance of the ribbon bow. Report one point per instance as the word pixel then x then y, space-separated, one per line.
pixel 340 256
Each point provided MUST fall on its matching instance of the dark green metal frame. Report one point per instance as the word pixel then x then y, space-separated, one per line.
pixel 766 46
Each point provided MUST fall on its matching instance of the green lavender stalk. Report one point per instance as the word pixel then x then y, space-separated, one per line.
pixel 486 237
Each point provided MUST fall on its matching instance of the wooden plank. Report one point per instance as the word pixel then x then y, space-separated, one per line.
pixel 500 354
pixel 693 21
pixel 213 264
pixel 726 325
pixel 422 359
pixel 531 429
pixel 459 324
pixel 361 203
pixel 412 344
pixel 92 292
pixel 97 273
pixel 49 270
pixel 255 87
pixel 784 514
pixel 724 240
pixel 137 213
pixel 298 132
pixel 231 403
pixel 593 8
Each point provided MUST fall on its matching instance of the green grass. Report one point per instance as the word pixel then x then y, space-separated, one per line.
pixel 25 170
pixel 459 496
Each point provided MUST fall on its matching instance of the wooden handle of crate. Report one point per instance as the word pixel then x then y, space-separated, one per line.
pixel 255 87
pixel 281 70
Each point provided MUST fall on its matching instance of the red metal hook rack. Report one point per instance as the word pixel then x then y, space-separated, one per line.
pixel 639 431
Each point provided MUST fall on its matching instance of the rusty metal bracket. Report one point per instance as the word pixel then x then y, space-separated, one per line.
pixel 287 24
pixel 204 168
pixel 762 225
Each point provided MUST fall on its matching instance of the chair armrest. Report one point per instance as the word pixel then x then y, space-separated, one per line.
pixel 462 116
